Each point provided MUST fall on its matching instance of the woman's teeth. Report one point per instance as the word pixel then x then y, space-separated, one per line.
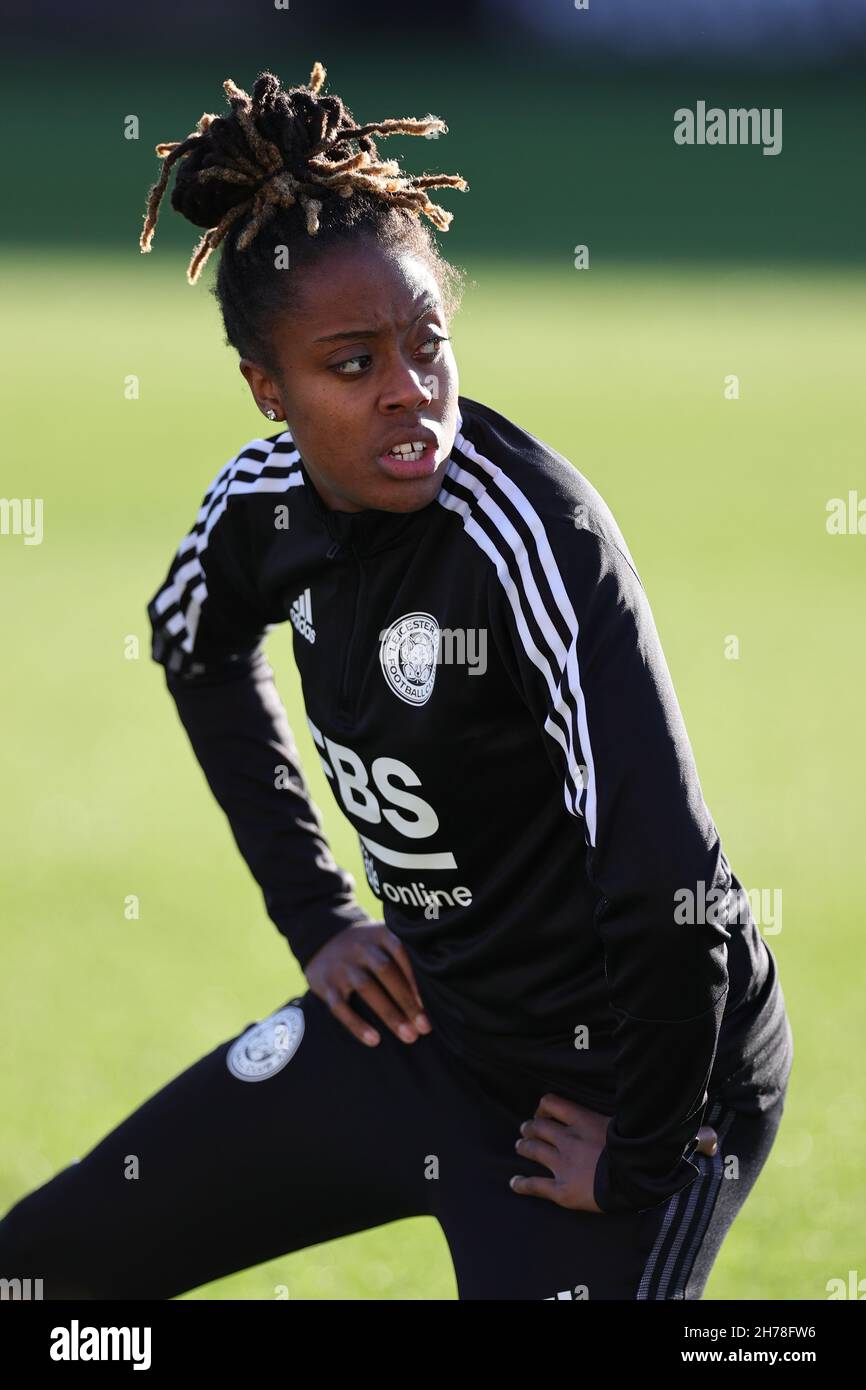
pixel 408 451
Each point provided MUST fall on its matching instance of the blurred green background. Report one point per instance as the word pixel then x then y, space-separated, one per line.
pixel 703 263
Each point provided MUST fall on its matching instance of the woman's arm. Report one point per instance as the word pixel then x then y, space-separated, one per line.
pixel 208 627
pixel 582 646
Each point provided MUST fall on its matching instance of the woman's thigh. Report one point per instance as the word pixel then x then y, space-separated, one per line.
pixel 289 1134
pixel 510 1246
pixel 506 1245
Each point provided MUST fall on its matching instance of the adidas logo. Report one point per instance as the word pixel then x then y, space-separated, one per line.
pixel 301 614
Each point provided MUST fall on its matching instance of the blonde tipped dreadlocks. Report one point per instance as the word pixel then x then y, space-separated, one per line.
pixel 320 133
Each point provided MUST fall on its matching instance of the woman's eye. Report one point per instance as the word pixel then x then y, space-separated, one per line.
pixel 362 356
pixel 435 339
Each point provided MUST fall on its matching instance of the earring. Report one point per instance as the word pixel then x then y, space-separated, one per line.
pixel 271 414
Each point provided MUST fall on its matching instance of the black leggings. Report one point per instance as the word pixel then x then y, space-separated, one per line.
pixel 296 1133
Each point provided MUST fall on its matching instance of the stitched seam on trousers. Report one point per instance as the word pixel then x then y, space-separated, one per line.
pixel 688 1264
pixel 651 1279
pixel 721 1121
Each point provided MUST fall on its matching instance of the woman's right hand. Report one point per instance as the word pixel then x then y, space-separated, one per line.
pixel 371 961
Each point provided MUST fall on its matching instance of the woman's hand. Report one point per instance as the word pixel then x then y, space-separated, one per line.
pixel 568 1138
pixel 371 961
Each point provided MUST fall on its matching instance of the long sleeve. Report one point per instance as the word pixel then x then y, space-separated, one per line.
pixel 577 631
pixel 208 627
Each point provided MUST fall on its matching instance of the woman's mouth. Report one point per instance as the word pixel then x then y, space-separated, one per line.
pixel 410 460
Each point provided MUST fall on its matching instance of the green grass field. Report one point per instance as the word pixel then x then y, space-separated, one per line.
pixel 722 503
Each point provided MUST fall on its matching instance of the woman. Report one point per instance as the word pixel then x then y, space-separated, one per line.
pixel 566 1039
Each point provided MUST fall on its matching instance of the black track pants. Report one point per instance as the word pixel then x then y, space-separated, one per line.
pixel 310 1135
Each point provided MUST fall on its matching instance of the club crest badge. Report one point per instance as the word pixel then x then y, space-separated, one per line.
pixel 266 1047
pixel 408 655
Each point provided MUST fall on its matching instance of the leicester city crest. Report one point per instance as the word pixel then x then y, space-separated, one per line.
pixel 408 655
pixel 266 1047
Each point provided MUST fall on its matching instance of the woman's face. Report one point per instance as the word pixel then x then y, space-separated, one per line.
pixel 364 363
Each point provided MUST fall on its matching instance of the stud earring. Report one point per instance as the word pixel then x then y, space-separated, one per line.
pixel 271 414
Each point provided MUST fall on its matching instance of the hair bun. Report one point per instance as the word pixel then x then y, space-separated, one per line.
pixel 281 149
pixel 205 202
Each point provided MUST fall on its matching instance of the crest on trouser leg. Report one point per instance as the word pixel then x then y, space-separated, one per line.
pixel 266 1047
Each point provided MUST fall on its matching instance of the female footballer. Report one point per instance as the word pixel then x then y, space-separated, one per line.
pixel 565 1038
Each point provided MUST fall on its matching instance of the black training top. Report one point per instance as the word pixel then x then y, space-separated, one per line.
pixel 485 685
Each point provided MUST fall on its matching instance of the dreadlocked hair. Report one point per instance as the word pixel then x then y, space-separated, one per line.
pixel 296 162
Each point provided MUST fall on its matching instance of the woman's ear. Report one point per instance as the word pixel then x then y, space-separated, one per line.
pixel 262 388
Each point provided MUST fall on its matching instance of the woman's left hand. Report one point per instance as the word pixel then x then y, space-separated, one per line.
pixel 566 1138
